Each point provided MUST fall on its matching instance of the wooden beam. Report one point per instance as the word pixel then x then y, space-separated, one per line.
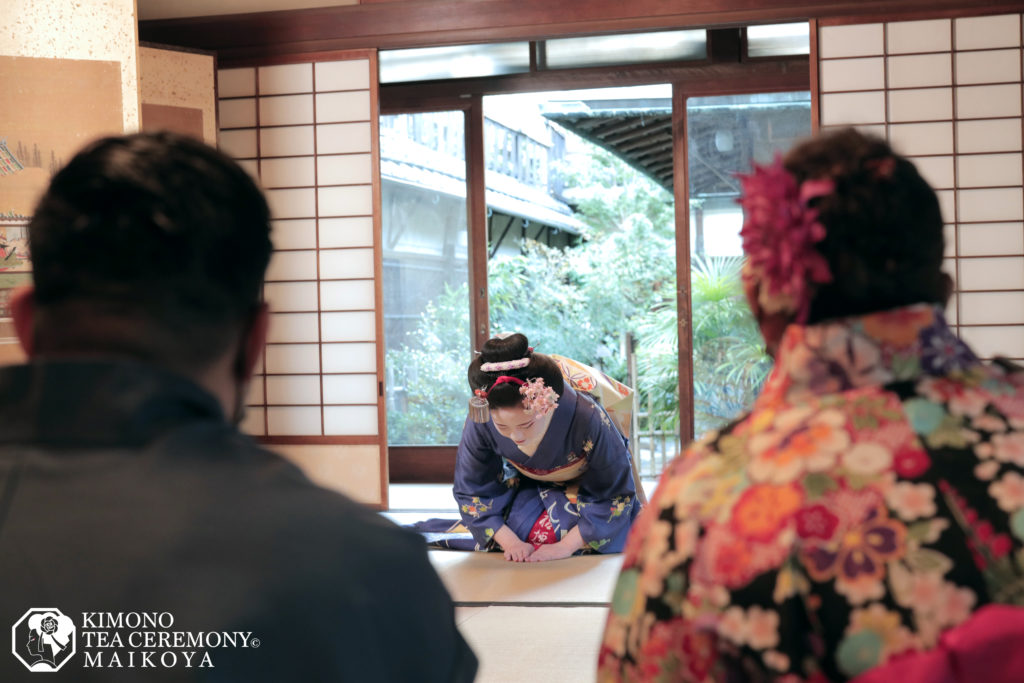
pixel 425 23
pixel 418 23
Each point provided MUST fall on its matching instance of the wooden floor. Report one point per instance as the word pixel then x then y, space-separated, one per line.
pixel 527 622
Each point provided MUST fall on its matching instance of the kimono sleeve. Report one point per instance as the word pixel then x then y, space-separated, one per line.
pixel 479 490
pixel 607 495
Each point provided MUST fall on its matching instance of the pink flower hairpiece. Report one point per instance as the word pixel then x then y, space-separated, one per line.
pixel 779 233
pixel 538 398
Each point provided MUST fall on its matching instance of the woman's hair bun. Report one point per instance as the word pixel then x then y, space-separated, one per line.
pixel 506 347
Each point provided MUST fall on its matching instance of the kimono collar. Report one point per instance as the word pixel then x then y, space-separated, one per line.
pixel 875 349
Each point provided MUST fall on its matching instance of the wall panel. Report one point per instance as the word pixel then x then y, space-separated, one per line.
pixel 951 100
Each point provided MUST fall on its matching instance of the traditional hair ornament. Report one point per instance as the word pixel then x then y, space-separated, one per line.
pixel 538 398
pixel 779 233
pixel 505 365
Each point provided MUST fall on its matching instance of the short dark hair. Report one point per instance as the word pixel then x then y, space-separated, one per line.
pixel 151 245
pixel 883 226
pixel 512 347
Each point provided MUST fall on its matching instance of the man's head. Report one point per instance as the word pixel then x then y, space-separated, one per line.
pixel 151 246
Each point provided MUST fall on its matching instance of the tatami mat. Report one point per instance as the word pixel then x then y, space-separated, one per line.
pixel 534 644
pixel 476 578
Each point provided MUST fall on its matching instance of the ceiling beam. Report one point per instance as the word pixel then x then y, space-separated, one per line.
pixel 417 23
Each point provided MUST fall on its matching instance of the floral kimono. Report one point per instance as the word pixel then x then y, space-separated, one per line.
pixel 580 475
pixel 872 500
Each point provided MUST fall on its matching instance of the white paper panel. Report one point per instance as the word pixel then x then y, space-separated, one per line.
pixel 922 138
pixel 295 390
pixel 253 422
pixel 286 110
pixel 345 75
pixel 240 144
pixel 293 359
pixel 236 82
pixel 850 108
pixel 989 66
pixel 292 328
pixel 341 327
pixel 344 169
pixel 920 71
pixel 286 142
pixel 1003 204
pixel 350 357
pixel 354 471
pixel 292 265
pixel 947 204
pixel 287 421
pixel 291 296
pixel 853 74
pixel 295 233
pixel 930 35
pixel 254 396
pixel 288 172
pixel 949 240
pixel 350 420
pixel 989 170
pixel 347 295
pixel 991 239
pixel 989 342
pixel 291 203
pixel 346 232
pixel 346 263
pixel 992 273
pixel 937 171
pixel 342 138
pixel 973 33
pixel 851 41
pixel 988 101
pixel 286 78
pixel 350 389
pixel 951 310
pixel 988 136
pixel 237 113
pixel 346 200
pixel 931 104
pixel 992 308
pixel 252 167
pixel 343 106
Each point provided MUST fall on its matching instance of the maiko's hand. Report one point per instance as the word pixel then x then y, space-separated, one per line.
pixel 518 551
pixel 551 551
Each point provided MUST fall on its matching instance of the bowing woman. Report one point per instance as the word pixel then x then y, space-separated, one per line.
pixel 541 471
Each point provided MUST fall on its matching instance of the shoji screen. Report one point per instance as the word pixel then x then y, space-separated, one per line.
pixel 947 92
pixel 308 131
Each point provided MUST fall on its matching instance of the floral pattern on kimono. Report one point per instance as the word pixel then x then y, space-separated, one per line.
pixel 580 475
pixel 872 499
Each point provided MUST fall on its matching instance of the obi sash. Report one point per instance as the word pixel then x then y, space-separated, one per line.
pixel 987 648
pixel 559 474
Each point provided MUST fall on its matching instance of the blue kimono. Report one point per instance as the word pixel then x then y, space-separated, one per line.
pixel 580 474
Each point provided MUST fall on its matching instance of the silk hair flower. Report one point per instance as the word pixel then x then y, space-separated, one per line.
pixel 538 398
pixel 779 233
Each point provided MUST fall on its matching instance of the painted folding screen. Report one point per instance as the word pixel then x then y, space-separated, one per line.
pixel 947 93
pixel 308 132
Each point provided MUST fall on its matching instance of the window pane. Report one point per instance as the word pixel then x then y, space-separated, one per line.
pixel 725 136
pixel 776 40
pixel 426 294
pixel 629 48
pixel 455 61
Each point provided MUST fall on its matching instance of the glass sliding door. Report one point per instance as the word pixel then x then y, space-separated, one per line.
pixel 425 256
pixel 725 135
